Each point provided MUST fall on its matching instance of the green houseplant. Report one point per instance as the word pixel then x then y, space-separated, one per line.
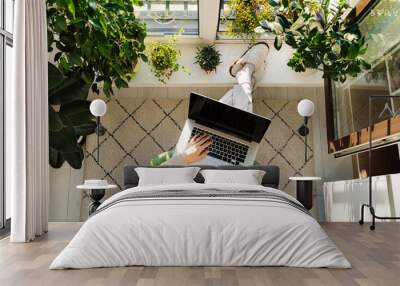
pixel 321 37
pixel 245 17
pixel 163 58
pixel 95 44
pixel 208 58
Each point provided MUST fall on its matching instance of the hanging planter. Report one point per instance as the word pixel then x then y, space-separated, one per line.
pixel 208 58
pixel 163 59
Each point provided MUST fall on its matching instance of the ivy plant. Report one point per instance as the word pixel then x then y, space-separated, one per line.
pixel 245 17
pixel 96 44
pixel 208 58
pixel 320 35
pixel 163 58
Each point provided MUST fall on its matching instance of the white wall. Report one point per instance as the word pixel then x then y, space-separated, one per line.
pixel 343 199
pixel 65 199
pixel 326 166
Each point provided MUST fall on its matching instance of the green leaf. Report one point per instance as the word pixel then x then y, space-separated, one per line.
pixel 92 5
pixel 103 23
pixel 77 112
pixel 298 24
pixel 120 83
pixel 55 77
pixel 105 50
pixel 64 140
pixel 95 23
pixel 144 58
pixel 290 39
pixel 353 51
pixel 114 7
pixel 71 7
pixel 74 59
pixel 162 158
pixel 55 122
pixel 69 91
pixel 294 6
pixel 274 3
pixel 60 24
pixel 74 159
pixel 278 42
pixel 336 49
pixel 56 159
pixel 283 21
pixel 85 129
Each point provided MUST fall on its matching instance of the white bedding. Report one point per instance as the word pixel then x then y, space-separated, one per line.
pixel 200 231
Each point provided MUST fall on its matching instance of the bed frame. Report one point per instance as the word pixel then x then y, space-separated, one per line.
pixel 270 179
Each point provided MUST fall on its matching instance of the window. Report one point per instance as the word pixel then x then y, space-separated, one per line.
pixel 167 17
pixel 380 28
pixel 6 64
pixel 225 16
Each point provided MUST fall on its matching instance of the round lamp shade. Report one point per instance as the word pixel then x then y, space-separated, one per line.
pixel 305 108
pixel 98 107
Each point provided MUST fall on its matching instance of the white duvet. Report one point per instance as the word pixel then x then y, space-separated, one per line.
pixel 200 231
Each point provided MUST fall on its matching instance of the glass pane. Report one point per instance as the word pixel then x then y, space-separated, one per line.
pixel 9 13
pixel 8 73
pixel 227 15
pixel 1 16
pixel 351 101
pixel 381 29
pixel 394 71
pixel 164 17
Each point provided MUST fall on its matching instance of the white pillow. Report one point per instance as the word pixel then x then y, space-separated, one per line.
pixel 164 176
pixel 246 177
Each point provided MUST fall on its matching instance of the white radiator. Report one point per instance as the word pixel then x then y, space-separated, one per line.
pixel 343 199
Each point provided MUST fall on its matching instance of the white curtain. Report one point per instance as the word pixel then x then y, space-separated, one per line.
pixel 27 124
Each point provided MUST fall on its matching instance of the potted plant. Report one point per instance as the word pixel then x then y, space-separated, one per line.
pixel 95 43
pixel 208 58
pixel 246 16
pixel 163 58
pixel 320 36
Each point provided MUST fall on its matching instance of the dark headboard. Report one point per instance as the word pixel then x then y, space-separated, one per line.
pixel 271 177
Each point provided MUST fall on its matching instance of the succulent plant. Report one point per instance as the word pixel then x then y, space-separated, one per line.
pixel 208 58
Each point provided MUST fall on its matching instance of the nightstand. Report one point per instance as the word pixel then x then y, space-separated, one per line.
pixel 304 190
pixel 96 193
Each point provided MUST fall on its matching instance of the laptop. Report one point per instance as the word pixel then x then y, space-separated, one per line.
pixel 236 134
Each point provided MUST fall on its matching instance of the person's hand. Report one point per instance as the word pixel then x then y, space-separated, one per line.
pixel 196 149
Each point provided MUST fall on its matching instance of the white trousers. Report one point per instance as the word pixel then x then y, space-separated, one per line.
pixel 240 96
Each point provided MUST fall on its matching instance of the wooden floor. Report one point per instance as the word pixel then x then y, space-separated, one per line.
pixel 375 257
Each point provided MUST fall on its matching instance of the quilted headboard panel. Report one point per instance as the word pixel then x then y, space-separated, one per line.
pixel 271 177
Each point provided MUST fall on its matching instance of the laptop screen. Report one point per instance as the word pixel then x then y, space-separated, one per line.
pixel 220 116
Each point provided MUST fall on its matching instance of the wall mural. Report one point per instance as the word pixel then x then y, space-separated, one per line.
pixel 141 126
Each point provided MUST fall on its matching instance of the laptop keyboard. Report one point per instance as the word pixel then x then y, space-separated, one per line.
pixel 224 149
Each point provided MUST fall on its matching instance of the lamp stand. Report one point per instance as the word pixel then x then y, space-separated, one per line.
pixel 98 138
pixel 305 139
pixel 303 131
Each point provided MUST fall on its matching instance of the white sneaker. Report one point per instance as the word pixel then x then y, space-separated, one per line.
pixel 255 55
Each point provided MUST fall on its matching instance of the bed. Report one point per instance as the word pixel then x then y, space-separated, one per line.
pixel 198 224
